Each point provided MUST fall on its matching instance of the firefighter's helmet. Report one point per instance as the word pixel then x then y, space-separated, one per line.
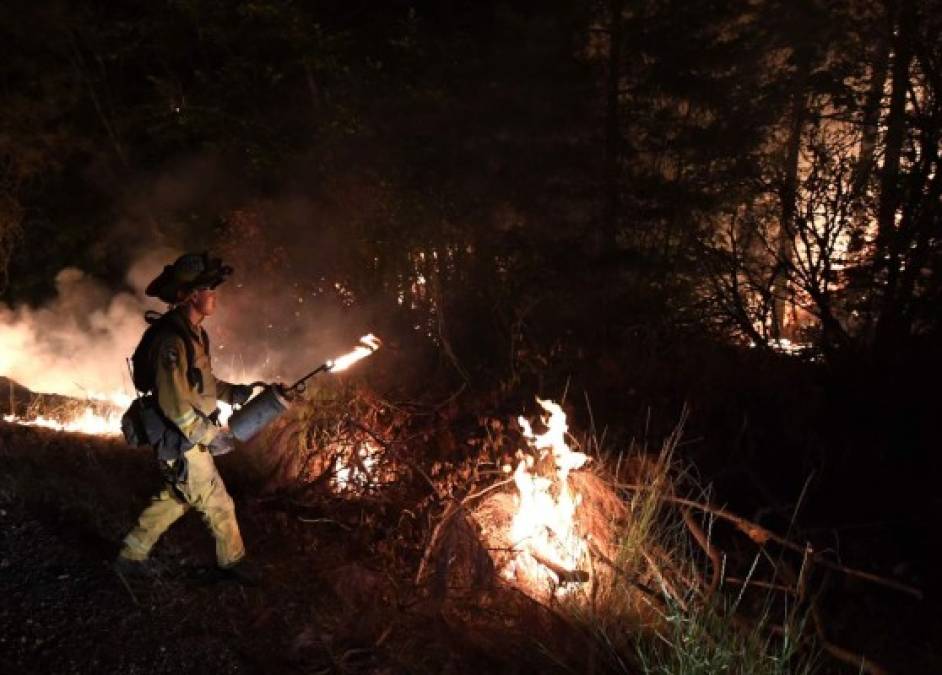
pixel 188 272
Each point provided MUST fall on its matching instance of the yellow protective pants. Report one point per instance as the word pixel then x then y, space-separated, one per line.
pixel 204 491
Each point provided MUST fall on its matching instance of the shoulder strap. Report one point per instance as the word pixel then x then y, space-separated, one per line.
pixel 193 375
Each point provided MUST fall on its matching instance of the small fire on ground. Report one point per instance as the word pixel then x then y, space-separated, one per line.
pixel 358 467
pixel 547 547
pixel 98 415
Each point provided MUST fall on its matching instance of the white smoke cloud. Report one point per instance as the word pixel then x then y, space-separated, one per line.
pixel 276 320
pixel 76 344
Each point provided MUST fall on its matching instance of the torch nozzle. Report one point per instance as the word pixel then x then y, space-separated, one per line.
pixel 299 385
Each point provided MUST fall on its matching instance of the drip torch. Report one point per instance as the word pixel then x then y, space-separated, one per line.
pixel 275 399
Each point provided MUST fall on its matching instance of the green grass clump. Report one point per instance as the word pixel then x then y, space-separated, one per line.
pixel 656 614
pixel 706 639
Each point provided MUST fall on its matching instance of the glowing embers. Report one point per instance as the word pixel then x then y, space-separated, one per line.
pixel 99 415
pixel 547 547
pixel 361 467
pixel 786 346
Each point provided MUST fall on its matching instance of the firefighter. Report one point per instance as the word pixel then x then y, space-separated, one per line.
pixel 175 352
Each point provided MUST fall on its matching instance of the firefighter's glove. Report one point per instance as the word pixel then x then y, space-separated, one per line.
pixel 223 443
pixel 241 393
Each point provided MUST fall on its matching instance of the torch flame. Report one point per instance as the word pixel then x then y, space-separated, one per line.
pixel 368 344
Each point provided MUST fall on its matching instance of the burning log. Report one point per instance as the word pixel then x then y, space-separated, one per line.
pixel 565 576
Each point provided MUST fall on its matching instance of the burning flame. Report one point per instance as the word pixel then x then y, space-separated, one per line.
pixel 88 419
pixel 355 470
pixel 91 418
pixel 368 344
pixel 543 530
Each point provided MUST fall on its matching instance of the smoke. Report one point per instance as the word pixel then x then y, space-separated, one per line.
pixel 76 344
pixel 297 296
pixel 306 285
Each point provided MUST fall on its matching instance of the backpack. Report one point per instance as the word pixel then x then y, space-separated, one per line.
pixel 143 423
pixel 143 363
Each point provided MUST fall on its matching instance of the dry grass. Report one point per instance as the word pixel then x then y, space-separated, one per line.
pixel 658 615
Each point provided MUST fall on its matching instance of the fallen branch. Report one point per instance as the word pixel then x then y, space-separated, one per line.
pixel 758 583
pixel 127 586
pixel 484 491
pixel 761 535
pixel 450 511
pixel 666 585
pixel 708 548
pixel 858 661
pixel 630 578
pixel 695 584
pixel 329 521
pixel 564 575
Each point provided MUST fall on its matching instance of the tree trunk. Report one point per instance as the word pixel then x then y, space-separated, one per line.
pixel 788 194
pixel 889 245
pixel 870 120
pixel 924 195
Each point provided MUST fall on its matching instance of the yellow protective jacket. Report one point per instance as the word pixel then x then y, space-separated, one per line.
pixel 187 392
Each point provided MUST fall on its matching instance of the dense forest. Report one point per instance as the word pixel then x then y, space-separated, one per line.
pixel 733 206
pixel 766 171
